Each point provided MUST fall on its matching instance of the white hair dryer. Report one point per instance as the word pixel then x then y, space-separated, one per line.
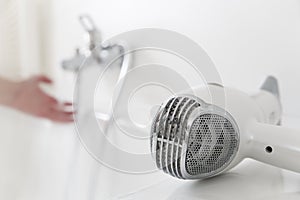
pixel 198 135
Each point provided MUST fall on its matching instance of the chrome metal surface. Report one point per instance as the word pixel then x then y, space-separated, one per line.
pixel 191 139
pixel 212 143
pixel 166 135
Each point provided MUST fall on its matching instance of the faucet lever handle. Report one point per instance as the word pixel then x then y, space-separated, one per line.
pixel 87 23
pixel 94 34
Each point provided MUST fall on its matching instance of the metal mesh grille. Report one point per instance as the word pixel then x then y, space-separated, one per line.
pixel 168 133
pixel 212 143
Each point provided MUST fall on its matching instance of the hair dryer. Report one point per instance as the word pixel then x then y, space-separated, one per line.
pixel 198 135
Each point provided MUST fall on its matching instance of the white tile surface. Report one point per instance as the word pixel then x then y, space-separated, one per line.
pixel 40 160
pixel 249 180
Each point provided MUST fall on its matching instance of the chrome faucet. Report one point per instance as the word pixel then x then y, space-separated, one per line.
pixel 95 46
pixel 88 62
pixel 97 49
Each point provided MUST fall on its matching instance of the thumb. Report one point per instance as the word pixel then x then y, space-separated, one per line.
pixel 43 79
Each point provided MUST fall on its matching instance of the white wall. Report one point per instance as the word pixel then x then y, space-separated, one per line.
pixel 247 40
pixel 19 39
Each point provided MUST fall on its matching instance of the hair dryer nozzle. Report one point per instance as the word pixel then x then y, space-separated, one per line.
pixel 192 139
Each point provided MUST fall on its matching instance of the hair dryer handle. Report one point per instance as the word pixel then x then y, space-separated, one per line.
pixel 276 145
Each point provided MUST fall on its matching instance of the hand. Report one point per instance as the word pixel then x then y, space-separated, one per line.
pixel 30 98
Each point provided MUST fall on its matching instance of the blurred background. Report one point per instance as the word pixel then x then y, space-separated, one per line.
pixel 247 40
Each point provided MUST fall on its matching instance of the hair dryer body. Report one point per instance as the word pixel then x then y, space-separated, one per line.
pixel 239 126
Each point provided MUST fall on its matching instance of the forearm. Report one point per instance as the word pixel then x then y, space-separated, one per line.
pixel 8 90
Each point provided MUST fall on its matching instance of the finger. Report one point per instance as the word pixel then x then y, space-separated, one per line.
pixel 59 106
pixel 67 104
pixel 47 100
pixel 43 79
pixel 51 100
pixel 61 116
